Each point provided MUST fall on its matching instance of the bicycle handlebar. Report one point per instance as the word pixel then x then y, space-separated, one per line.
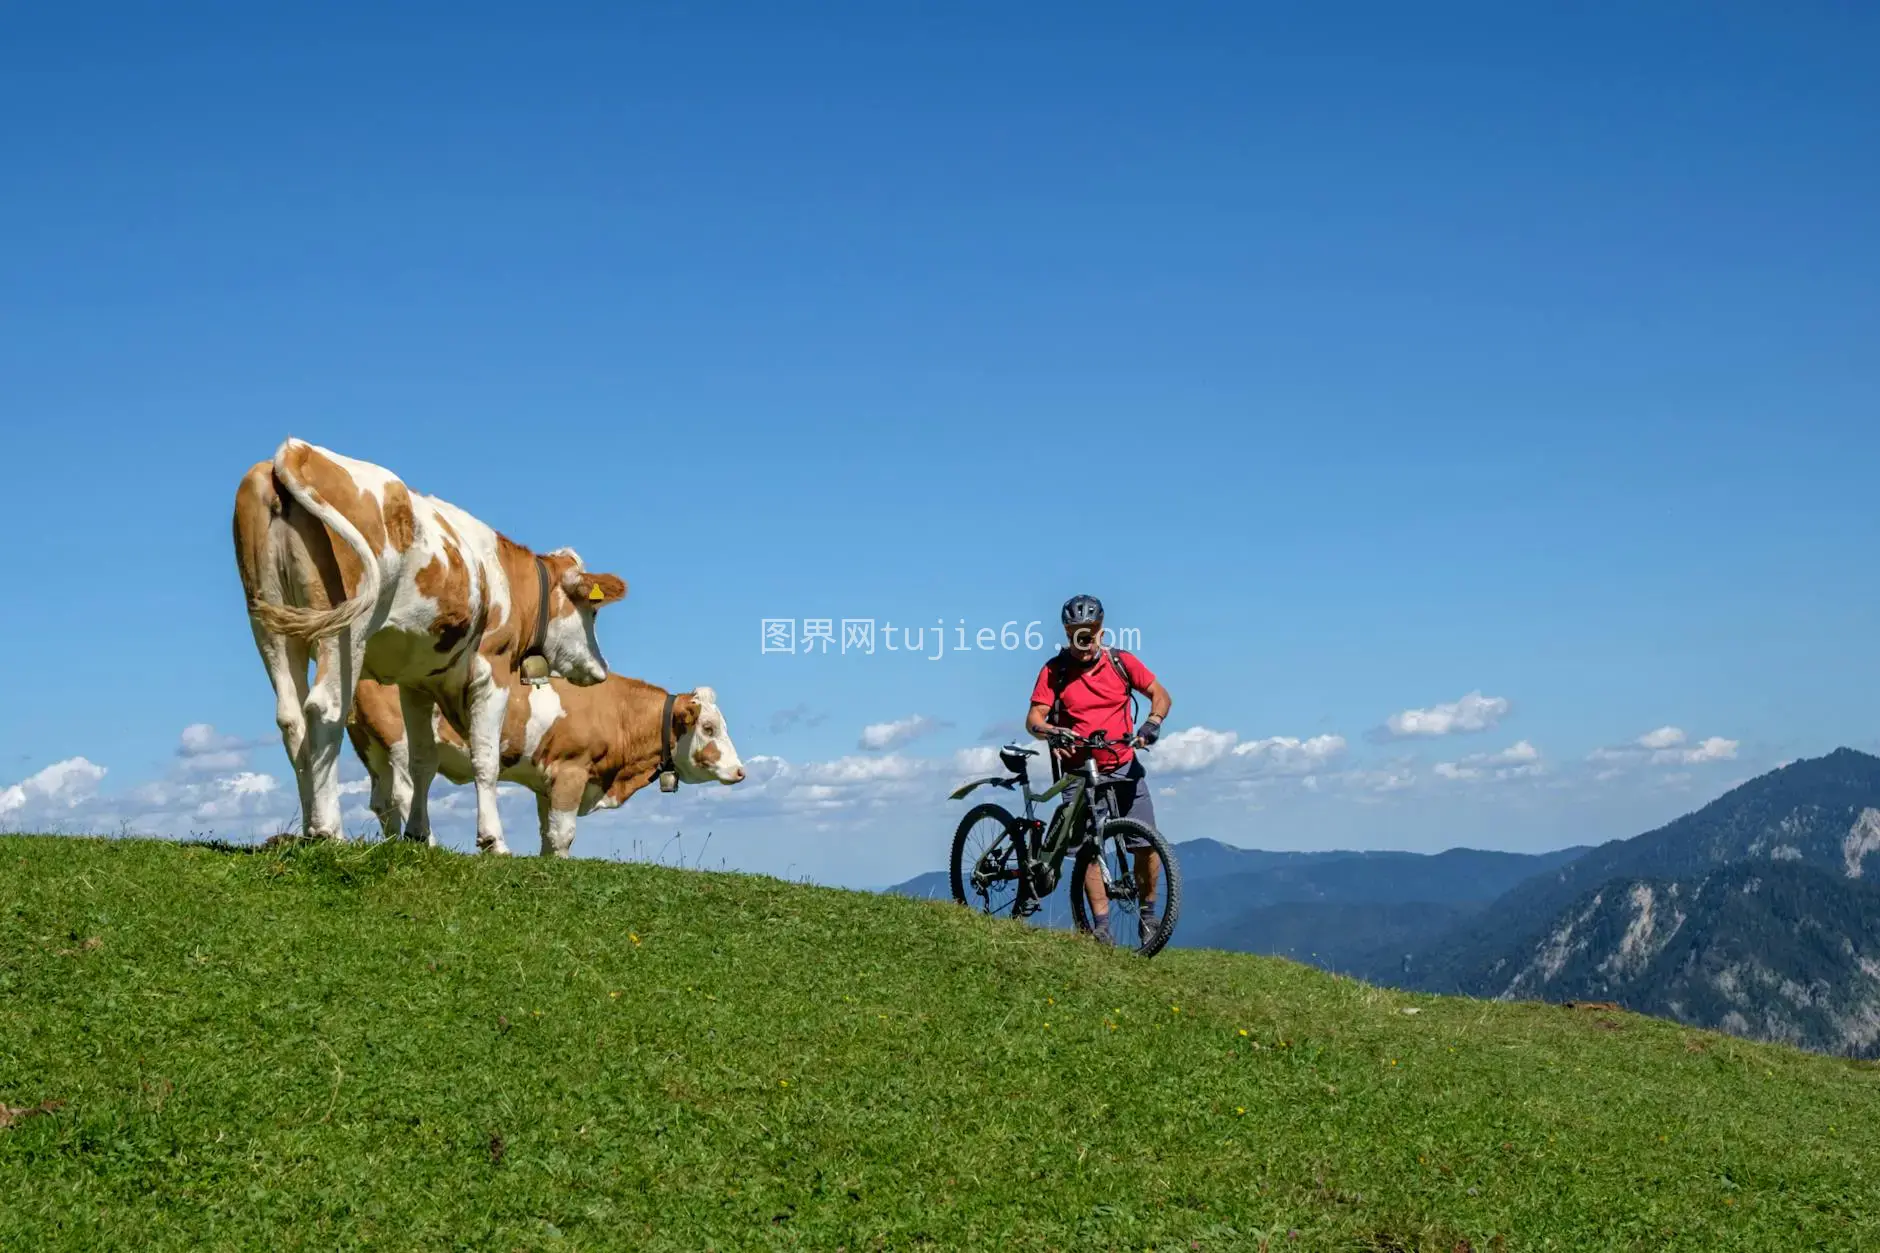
pixel 1099 740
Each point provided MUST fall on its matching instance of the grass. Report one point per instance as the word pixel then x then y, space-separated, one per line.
pixel 391 1047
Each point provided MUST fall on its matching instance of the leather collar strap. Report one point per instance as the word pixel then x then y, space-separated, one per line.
pixel 665 772
pixel 665 734
pixel 538 647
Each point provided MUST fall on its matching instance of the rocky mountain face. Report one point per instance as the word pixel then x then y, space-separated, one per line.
pixel 1756 914
pixel 1775 950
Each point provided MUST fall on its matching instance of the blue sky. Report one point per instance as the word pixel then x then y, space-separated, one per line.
pixel 1361 358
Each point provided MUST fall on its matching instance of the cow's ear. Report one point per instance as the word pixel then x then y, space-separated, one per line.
pixel 593 589
pixel 684 714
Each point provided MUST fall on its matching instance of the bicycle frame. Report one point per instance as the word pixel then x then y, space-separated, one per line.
pixel 1041 866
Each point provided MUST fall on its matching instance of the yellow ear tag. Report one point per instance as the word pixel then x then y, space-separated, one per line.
pixel 595 593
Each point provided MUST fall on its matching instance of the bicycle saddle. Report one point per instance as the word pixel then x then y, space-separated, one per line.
pixel 1012 757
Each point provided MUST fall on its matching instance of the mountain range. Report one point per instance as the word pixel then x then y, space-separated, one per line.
pixel 1754 914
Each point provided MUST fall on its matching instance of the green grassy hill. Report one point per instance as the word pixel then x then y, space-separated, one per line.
pixel 390 1047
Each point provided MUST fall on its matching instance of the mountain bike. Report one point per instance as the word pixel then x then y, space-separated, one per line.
pixel 1024 857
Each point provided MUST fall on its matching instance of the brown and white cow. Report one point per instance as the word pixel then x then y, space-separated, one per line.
pixel 577 748
pixel 342 562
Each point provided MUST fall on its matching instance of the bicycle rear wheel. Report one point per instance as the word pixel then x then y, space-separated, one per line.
pixel 985 872
pixel 1121 886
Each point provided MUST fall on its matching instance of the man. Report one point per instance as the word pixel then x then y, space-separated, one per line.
pixel 1087 687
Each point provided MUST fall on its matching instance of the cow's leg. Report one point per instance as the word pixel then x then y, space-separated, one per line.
pixel 379 772
pixel 565 788
pixel 390 769
pixel 419 709
pixel 286 663
pixel 328 703
pixel 487 701
pixel 402 791
pixel 542 813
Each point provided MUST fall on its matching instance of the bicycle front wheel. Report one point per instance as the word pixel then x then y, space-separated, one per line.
pixel 1122 883
pixel 986 871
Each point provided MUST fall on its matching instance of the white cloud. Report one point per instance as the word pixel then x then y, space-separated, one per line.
pixel 880 735
pixel 1192 750
pixel 242 795
pixel 1474 712
pixel 1716 748
pixel 1519 760
pixel 1380 782
pixel 775 786
pixel 1286 754
pixel 848 770
pixel 1665 746
pixel 1188 750
pixel 981 759
pixel 64 784
pixel 248 783
pixel 203 751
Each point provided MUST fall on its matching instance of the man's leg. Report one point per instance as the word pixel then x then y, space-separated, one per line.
pixel 1135 803
pixel 1097 903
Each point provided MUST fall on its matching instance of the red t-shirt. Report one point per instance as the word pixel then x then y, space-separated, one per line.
pixel 1095 696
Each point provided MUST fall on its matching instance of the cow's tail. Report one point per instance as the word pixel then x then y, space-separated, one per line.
pixel 313 624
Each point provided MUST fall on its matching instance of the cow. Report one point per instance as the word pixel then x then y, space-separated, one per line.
pixel 342 563
pixel 577 748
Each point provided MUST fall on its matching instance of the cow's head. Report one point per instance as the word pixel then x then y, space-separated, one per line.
pixel 574 597
pixel 702 751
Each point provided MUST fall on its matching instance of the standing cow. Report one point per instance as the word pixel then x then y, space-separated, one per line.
pixel 577 748
pixel 343 563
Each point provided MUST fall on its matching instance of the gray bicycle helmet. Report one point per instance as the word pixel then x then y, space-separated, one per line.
pixel 1082 609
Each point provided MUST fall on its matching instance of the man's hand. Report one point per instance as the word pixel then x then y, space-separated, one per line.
pixel 1150 729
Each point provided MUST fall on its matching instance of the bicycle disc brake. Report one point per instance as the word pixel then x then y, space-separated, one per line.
pixel 1115 887
pixel 998 863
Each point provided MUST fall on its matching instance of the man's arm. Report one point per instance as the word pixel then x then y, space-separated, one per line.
pixel 1159 703
pixel 1143 680
pixel 1037 723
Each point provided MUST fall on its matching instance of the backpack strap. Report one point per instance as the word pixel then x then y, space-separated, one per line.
pixel 1115 656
